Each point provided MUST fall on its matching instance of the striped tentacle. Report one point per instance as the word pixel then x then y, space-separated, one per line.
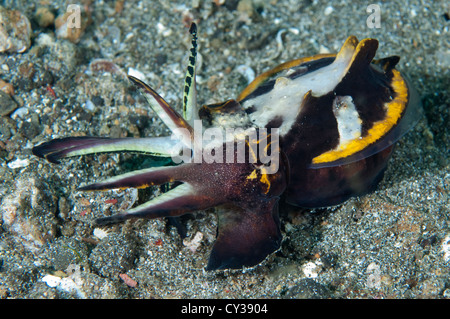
pixel 190 111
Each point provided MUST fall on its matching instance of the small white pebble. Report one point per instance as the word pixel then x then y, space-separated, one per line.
pixel 20 112
pixel 374 277
pixel 311 270
pixel 129 36
pixel 66 284
pixel 328 10
pixel 89 105
pixel 446 248
pixel 100 233
pixel 162 29
pixel 136 74
pixel 194 243
pixel 19 163
pixel 51 281
pixel 323 49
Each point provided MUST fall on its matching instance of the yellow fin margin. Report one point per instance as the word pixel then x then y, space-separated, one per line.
pixel 395 109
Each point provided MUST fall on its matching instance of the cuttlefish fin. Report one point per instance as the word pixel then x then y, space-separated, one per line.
pixel 245 237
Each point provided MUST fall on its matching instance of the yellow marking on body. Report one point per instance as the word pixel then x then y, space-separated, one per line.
pixel 252 175
pixel 217 107
pixel 395 109
pixel 144 186
pixel 170 180
pixel 138 187
pixel 265 180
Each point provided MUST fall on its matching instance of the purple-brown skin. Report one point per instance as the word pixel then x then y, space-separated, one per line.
pixel 248 229
pixel 329 186
pixel 247 198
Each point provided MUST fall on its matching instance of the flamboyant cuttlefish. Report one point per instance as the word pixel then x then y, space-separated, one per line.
pixel 313 132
